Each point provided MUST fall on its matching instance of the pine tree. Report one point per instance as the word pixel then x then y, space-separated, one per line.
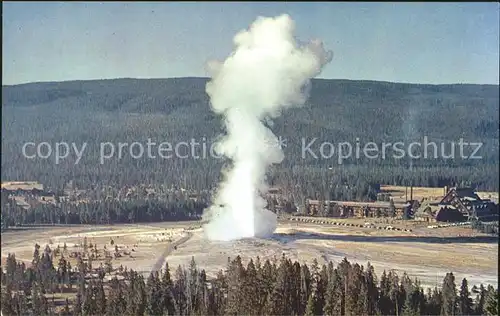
pixel 435 302
pixel 219 289
pixel 112 307
pixel 62 272
pixel 249 299
pixel 44 305
pixel 392 208
pixel 180 286
pixel 212 308
pixel 491 301
pixel 36 255
pixel 394 293
pixel 464 300
pixel 354 303
pixel 22 304
pixel 234 281
pixel 116 304
pixel 100 298
pixel 264 284
pixel 89 306
pixel 449 295
pixel 295 288
pixel 202 293
pixel 131 294
pixel 10 271
pixel 480 301
pixel 36 302
pixel 372 294
pixel 192 277
pixel 154 295
pixel 78 304
pixel 6 301
pixel 141 295
pixel 275 301
pixel 168 302
pixel 384 303
pixel 310 306
pixel 320 291
pixel 411 297
pixel 305 287
pixel 333 301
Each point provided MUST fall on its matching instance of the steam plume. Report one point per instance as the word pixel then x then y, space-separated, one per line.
pixel 266 73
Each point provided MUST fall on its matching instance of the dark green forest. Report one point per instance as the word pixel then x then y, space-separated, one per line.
pixel 176 110
pixel 138 210
pixel 277 287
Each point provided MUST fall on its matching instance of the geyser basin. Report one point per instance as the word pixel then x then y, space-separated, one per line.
pixel 266 73
pixel 229 226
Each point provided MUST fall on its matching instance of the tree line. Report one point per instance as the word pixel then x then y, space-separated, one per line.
pixel 272 287
pixel 102 212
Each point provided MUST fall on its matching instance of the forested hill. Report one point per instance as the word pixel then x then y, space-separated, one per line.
pixel 341 107
pixel 173 110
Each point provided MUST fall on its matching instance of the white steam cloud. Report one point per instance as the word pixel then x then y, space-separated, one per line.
pixel 267 72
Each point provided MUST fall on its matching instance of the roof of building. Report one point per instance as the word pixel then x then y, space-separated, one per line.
pixel 21 185
pixel 362 204
pixel 462 193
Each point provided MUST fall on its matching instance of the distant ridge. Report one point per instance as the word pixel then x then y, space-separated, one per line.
pixel 207 78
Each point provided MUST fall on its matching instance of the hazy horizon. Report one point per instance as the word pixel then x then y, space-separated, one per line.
pixel 419 43
pixel 207 78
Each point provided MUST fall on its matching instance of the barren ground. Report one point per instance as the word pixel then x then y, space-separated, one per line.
pixel 424 253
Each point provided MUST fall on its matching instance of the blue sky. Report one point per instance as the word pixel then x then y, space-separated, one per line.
pixel 400 42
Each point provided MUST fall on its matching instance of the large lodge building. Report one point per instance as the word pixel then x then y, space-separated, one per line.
pixel 357 209
pixel 457 204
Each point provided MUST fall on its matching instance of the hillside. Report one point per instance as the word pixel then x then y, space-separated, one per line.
pixel 173 110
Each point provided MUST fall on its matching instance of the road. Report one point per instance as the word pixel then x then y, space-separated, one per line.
pixel 161 260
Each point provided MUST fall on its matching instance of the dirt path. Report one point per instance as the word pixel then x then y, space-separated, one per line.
pixel 161 260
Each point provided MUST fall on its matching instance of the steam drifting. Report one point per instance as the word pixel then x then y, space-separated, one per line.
pixel 266 73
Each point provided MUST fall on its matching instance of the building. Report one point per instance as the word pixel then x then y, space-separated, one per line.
pixel 356 209
pixel 22 186
pixel 26 194
pixel 458 204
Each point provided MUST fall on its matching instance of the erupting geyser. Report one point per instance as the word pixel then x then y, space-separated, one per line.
pixel 267 72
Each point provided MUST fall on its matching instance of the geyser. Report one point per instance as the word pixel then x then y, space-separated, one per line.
pixel 267 72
